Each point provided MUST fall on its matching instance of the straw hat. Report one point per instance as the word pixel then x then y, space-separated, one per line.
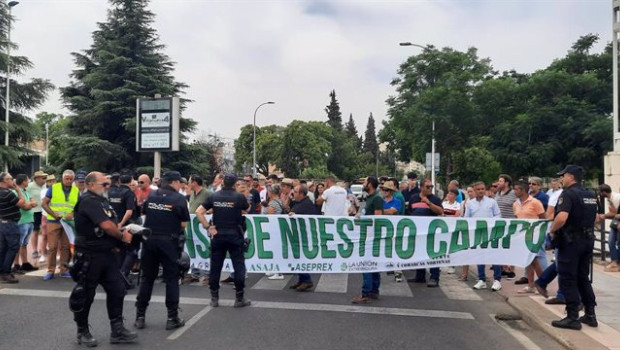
pixel 388 185
pixel 39 173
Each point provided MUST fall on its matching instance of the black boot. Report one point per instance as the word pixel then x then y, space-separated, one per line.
pixel 571 321
pixel 240 301
pixel 120 334
pixel 140 320
pixel 174 321
pixel 590 317
pixel 84 337
pixel 215 298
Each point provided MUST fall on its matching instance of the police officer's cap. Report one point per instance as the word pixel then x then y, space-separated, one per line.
pixel 230 179
pixel 171 176
pixel 575 170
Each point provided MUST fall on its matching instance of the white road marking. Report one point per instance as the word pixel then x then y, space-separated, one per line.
pixel 457 290
pixel 179 332
pixel 374 310
pixel 389 287
pixel 519 336
pixel 268 284
pixel 332 283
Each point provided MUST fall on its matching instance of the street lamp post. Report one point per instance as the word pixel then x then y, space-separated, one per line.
pixel 254 165
pixel 425 48
pixel 11 4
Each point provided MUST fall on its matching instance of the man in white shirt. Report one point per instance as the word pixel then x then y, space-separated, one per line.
pixel 334 197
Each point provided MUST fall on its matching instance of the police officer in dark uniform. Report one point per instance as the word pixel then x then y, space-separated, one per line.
pixel 572 232
pixel 97 242
pixel 227 236
pixel 123 201
pixel 167 215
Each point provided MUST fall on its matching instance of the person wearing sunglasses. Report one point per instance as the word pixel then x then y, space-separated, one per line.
pixel 59 203
pixel 11 200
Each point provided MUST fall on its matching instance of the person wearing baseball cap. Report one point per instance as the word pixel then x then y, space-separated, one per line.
pixel 572 233
pixel 166 214
pixel 227 233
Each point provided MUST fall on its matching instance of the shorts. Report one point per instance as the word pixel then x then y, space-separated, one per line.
pixel 24 233
pixel 37 221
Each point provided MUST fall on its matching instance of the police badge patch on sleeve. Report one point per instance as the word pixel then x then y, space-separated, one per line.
pixel 560 200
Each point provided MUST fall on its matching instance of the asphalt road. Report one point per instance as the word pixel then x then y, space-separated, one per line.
pixel 35 315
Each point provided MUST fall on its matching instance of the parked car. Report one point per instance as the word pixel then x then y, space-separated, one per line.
pixel 358 191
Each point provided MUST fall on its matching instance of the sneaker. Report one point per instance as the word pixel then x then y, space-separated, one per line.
pixel 511 276
pixel 42 259
pixel 496 286
pixel 590 320
pixel 277 276
pixel 361 300
pixel 48 277
pixel 432 283
pixel 8 279
pixel 65 275
pixel 28 267
pixel 555 301
pixel 480 285
pixel 527 290
pixel 451 270
pixel 398 276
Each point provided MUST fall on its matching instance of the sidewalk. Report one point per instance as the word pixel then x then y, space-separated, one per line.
pixel 538 314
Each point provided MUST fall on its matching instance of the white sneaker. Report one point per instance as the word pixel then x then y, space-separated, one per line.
pixel 269 274
pixel 398 276
pixel 480 285
pixel 496 286
pixel 277 276
pixel 451 270
pixel 42 259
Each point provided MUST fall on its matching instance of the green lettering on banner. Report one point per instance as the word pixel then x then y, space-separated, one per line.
pixel 430 238
pixel 205 252
pixel 260 237
pixel 363 224
pixel 481 236
pixel 381 224
pixel 534 247
pixel 326 237
pixel 250 234
pixel 401 251
pixel 460 234
pixel 342 251
pixel 514 227
pixel 309 244
pixel 289 234
pixel 189 241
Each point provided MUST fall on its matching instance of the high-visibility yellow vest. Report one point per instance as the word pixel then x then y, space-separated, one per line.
pixel 61 204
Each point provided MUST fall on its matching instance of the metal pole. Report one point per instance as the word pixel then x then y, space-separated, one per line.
pixel 433 157
pixel 616 31
pixel 47 144
pixel 254 165
pixel 8 85
pixel 157 164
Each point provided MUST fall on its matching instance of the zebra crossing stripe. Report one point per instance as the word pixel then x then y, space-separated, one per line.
pixel 332 283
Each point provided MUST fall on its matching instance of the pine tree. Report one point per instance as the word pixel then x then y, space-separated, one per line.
pixel 351 132
pixel 124 62
pixel 370 137
pixel 334 117
pixel 23 97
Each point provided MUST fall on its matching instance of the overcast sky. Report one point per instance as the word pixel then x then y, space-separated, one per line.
pixel 235 55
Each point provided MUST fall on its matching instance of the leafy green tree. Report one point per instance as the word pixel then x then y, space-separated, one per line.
pixel 24 97
pixel 124 62
pixel 307 146
pixel 268 147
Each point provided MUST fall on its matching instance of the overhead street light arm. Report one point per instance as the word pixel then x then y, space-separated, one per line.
pixel 254 165
pixel 412 44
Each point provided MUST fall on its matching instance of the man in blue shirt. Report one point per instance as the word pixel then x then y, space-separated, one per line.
pixel 484 207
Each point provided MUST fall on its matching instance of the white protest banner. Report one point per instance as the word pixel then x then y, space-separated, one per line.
pixel 324 244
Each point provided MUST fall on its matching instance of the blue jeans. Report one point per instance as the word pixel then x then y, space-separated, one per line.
pixel 613 244
pixel 305 278
pixel 372 281
pixel 497 272
pixel 548 275
pixel 9 245
pixel 24 233
pixel 420 274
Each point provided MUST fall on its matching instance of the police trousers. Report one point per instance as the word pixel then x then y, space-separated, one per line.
pixel 231 243
pixel 104 270
pixel 155 251
pixel 573 262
